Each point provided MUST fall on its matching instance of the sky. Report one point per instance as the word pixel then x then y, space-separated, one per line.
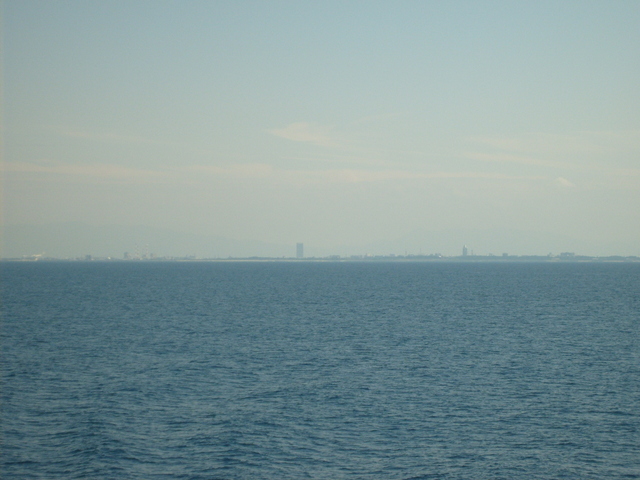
pixel 354 127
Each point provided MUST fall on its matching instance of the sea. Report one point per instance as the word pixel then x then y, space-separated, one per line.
pixel 320 370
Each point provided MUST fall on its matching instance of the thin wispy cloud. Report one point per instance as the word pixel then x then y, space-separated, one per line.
pixel 249 170
pixel 112 137
pixel 610 154
pixel 95 171
pixel 383 117
pixel 519 159
pixel 97 136
pixel 307 133
pixel 577 143
pixel 270 173
pixel 357 176
pixel 345 157
pixel 563 183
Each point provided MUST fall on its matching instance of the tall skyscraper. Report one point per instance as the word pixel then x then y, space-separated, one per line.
pixel 464 251
pixel 299 250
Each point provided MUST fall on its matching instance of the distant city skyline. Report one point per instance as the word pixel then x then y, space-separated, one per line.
pixel 235 128
pixel 75 240
pixel 505 257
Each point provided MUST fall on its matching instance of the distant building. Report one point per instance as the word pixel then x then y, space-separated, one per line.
pixel 465 252
pixel 299 250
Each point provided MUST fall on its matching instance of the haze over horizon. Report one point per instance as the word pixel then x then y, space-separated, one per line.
pixel 359 127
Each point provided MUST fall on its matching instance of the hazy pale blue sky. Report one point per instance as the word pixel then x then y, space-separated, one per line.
pixel 343 125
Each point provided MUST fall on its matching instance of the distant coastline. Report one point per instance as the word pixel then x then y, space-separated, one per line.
pixel 563 258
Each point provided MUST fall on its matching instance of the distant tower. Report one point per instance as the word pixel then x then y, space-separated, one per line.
pixel 299 250
pixel 464 251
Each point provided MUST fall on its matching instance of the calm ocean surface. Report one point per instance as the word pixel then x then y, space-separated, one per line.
pixel 320 370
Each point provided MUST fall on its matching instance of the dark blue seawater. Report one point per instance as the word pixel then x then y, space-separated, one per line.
pixel 320 371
